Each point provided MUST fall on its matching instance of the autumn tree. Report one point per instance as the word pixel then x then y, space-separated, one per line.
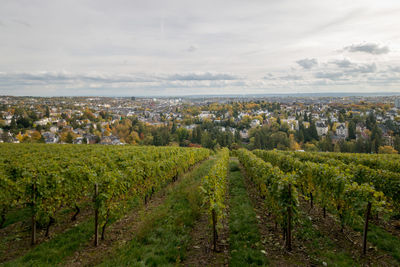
pixel 387 150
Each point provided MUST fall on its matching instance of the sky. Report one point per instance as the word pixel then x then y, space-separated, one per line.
pixel 184 47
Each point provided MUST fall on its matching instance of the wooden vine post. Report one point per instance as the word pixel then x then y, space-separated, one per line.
pixel 215 236
pixel 104 226
pixel 289 222
pixel 96 216
pixel 367 214
pixel 33 219
pixel 3 217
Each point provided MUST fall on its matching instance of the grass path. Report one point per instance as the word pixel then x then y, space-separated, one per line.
pixel 383 240
pixel 163 236
pixel 53 251
pixel 15 238
pixel 244 240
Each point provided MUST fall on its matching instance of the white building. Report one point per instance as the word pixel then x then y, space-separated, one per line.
pixel 190 127
pixel 293 123
pixel 206 115
pixel 42 122
pixel 254 123
pixel 244 134
pixel 50 138
pixel 53 129
pixel 397 102
pixel 341 130
pixel 322 128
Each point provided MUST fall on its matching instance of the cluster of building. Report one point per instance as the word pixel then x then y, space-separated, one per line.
pixel 89 119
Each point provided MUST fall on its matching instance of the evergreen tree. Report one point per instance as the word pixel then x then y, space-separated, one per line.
pixel 13 124
pixel 397 143
pixel 69 139
pixel 370 121
pixel 47 114
pixel 312 131
pixel 257 141
pixel 173 130
pixel 305 116
pixel 376 139
pixel 352 130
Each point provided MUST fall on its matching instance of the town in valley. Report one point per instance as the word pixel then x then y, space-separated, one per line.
pixel 362 124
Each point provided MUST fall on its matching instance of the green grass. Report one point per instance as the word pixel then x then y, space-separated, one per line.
pixel 23 215
pixel 55 250
pixel 52 252
pixel 244 237
pixel 16 215
pixel 385 241
pixel 164 235
pixel 319 247
pixel 382 239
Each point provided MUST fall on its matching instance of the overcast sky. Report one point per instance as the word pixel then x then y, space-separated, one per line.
pixel 184 47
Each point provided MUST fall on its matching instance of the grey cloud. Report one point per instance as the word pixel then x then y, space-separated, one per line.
pixel 394 69
pixel 329 75
pixel 321 82
pixel 291 77
pixel 22 22
pixel 166 43
pixel 365 68
pixel 269 76
pixel 192 48
pixel 57 77
pixel 49 83
pixel 343 63
pixel 355 70
pixel 25 78
pixel 384 79
pixel 369 48
pixel 207 76
pixel 307 63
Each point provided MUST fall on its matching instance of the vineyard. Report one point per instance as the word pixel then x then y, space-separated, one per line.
pixel 163 206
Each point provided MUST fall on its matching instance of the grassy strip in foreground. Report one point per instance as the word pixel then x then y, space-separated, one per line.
pixel 55 250
pixel 16 215
pixel 164 235
pixel 320 247
pixel 244 236
pixel 52 252
pixel 383 240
